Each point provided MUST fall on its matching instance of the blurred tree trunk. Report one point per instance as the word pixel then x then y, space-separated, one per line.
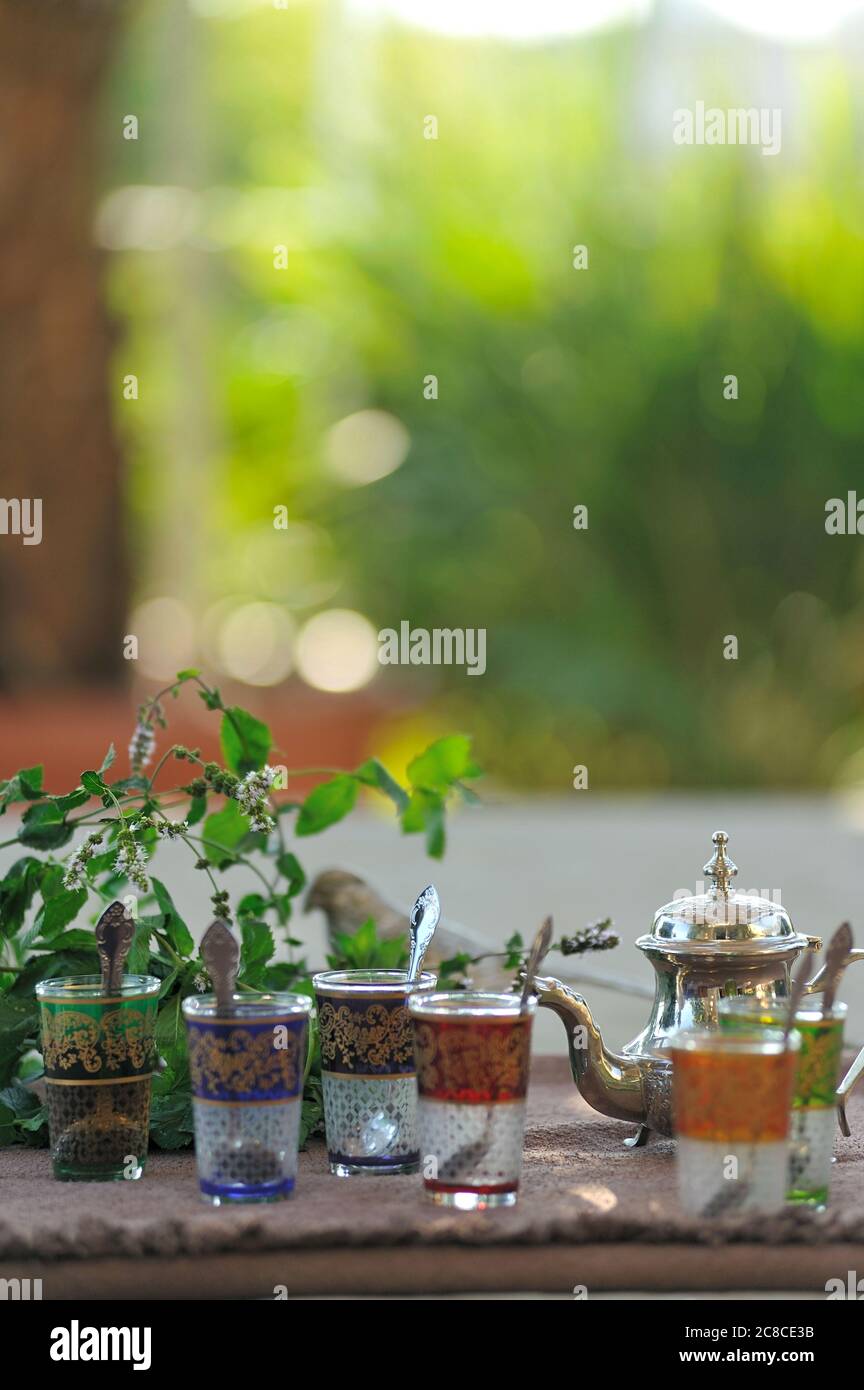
pixel 62 602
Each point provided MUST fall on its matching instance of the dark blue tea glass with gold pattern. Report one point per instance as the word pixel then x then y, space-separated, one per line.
pixel 368 1069
pixel 247 1069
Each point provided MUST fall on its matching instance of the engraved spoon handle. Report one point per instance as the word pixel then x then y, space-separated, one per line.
pixel 114 932
pixel 540 945
pixel 799 984
pixel 425 915
pixel 836 958
pixel 221 955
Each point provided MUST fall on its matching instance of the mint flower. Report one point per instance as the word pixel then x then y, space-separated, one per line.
pixel 76 876
pixel 170 829
pixel 141 746
pixel 131 861
pixel 251 796
pixel 599 936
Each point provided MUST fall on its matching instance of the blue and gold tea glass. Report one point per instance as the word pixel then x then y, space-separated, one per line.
pixel 99 1053
pixel 368 1069
pixel 247 1071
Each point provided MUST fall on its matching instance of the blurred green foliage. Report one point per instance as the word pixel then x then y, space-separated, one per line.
pixel 557 387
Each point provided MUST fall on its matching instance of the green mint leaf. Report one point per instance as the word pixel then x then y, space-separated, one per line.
pixel 224 831
pixel 245 741
pixel 109 758
pixel 251 905
pixel 290 868
pixel 391 954
pixel 78 939
pixel 256 949
pixel 374 774
pixel 139 952
pixel 129 784
pixel 31 780
pixel 26 785
pixel 425 813
pixel 16 892
pixel 456 965
pixel 44 827
pixel 94 784
pixel 170 1031
pixel 328 803
pixel 171 1120
pixel 23 1117
pixel 43 813
pixel 51 965
pixel 282 976
pixel 57 911
pixel 175 928
pixel 19 1029
pixel 211 698
pixel 312 1113
pixel 365 939
pixel 71 801
pixel 444 762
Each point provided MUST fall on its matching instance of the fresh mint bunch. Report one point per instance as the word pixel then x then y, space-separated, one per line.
pixel 222 814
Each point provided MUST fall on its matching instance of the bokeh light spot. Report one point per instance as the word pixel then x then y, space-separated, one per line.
pixel 366 446
pixel 338 650
pixel 256 643
pixel 165 630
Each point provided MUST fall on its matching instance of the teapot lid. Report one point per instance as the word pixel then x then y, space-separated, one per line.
pixel 722 917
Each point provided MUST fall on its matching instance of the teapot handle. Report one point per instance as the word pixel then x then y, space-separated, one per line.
pixel 817 982
pixel 845 1089
pixel 853 1075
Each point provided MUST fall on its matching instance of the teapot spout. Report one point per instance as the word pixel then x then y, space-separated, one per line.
pixel 610 1083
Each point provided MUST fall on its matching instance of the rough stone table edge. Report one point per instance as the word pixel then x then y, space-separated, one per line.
pixel 445 1270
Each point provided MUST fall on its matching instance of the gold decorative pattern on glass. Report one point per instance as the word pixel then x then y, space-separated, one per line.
pixel 122 1038
pixel 376 1036
pixel 239 1061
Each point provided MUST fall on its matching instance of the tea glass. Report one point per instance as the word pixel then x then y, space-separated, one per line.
pixel 368 1072
pixel 473 1057
pixel 732 1097
pixel 814 1101
pixel 99 1052
pixel 247 1066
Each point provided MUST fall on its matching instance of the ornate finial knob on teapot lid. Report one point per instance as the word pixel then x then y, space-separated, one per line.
pixel 720 867
pixel 722 918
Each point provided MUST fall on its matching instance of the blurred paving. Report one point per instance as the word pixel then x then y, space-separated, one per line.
pixel 585 857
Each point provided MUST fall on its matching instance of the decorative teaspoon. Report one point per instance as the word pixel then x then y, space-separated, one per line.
pixel 114 932
pixel 799 984
pixel 221 955
pixel 425 915
pixel 836 955
pixel 540 945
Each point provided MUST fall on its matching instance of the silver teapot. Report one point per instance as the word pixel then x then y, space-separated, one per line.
pixel 702 948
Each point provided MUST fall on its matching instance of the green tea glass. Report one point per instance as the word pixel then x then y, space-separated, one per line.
pixel 813 1121
pixel 100 1053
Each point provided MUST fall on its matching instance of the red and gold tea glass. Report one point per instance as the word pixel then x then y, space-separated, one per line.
pixel 473 1053
pixel 732 1095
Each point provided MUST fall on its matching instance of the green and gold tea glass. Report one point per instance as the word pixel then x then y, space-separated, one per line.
pixel 814 1101
pixel 100 1054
